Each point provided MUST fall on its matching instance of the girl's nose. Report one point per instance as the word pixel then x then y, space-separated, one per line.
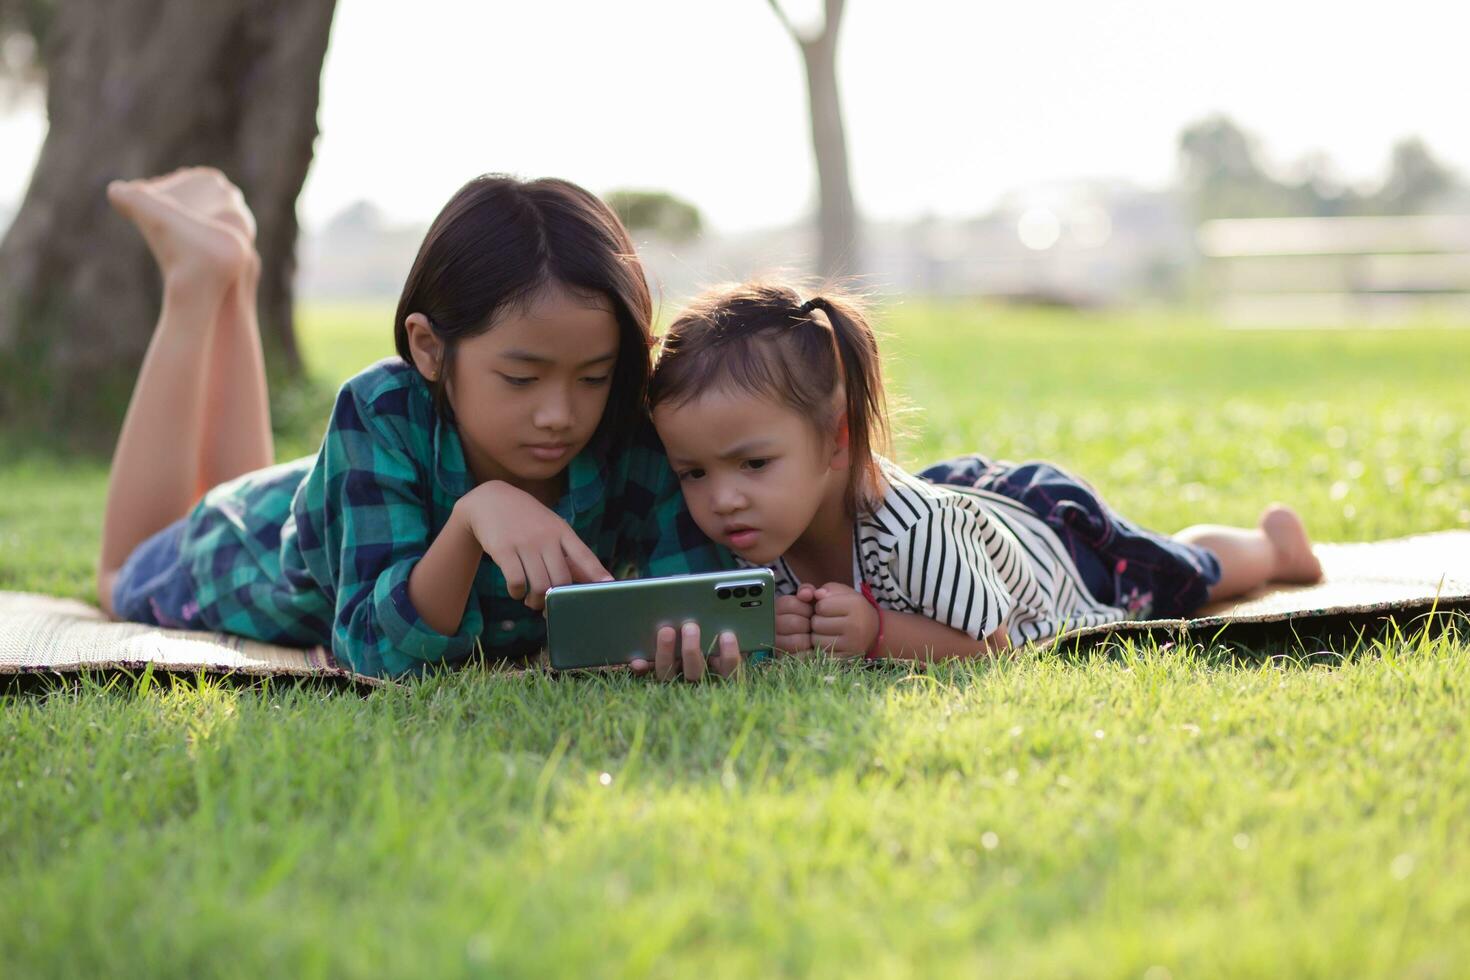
pixel 728 500
pixel 554 412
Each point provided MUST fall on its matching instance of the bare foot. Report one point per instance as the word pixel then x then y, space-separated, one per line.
pixel 185 244
pixel 207 192
pixel 1295 561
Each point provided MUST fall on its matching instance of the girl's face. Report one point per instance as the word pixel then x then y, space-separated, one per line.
pixel 529 392
pixel 754 473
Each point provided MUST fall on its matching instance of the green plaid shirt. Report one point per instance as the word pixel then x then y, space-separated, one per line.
pixel 318 551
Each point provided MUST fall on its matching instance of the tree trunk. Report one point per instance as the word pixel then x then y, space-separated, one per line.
pixel 139 87
pixel 837 219
pixel 836 215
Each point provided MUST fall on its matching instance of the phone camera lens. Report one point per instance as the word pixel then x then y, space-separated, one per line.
pixel 755 590
pixel 740 592
pixel 723 593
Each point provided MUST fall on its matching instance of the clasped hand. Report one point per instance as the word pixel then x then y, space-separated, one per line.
pixel 835 619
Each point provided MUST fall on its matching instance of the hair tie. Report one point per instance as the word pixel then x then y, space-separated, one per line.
pixel 816 302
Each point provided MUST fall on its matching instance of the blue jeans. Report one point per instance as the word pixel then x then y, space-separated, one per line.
pixel 154 586
pixel 1150 575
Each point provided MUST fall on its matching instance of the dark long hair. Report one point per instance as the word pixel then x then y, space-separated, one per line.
pixel 761 338
pixel 499 242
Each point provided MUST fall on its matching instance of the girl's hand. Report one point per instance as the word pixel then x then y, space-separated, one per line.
pixel 794 621
pixel 843 623
pixel 726 662
pixel 533 548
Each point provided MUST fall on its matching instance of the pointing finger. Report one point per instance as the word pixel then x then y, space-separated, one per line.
pixel 583 563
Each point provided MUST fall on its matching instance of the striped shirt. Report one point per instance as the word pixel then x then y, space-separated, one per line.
pixel 971 559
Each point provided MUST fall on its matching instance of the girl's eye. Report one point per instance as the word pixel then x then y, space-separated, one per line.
pixel 757 464
pixel 691 474
pixel 597 380
pixel 517 381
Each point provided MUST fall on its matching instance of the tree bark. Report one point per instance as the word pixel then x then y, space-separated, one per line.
pixel 135 88
pixel 837 219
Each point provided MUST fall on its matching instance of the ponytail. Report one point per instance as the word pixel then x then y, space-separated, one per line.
pixel 862 381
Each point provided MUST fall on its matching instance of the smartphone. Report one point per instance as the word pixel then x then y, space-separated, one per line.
pixel 606 623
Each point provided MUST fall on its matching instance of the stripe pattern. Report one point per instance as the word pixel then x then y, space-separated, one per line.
pixel 971 559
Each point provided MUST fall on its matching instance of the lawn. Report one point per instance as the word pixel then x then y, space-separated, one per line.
pixel 1152 813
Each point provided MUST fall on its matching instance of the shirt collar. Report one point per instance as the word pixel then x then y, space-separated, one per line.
pixel 586 490
pixel 451 472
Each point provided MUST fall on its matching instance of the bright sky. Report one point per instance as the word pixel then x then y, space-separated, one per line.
pixel 948 104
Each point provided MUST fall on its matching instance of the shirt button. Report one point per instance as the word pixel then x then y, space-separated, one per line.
pixel 506 625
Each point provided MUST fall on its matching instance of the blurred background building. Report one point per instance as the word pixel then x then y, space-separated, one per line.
pixel 1279 164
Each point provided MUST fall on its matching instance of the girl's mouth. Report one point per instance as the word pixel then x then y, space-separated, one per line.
pixel 549 453
pixel 742 538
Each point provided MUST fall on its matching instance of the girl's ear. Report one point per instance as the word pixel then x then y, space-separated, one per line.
pixel 427 349
pixel 841 452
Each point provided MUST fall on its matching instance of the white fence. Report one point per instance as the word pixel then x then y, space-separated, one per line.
pixel 1325 271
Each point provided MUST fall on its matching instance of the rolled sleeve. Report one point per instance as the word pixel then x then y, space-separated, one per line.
pixel 370 497
pixel 404 642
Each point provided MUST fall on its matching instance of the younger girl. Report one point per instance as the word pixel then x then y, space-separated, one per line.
pixel 771 410
pixel 511 424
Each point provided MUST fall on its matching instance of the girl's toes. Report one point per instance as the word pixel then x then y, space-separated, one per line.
pixel 186 245
pixel 208 193
pixel 1296 562
pixel 134 201
pixel 123 196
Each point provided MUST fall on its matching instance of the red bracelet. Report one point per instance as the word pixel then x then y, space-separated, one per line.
pixel 874 651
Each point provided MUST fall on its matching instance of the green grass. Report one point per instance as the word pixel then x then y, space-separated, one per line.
pixel 1163 812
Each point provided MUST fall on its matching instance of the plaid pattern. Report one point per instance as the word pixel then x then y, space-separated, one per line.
pixel 319 550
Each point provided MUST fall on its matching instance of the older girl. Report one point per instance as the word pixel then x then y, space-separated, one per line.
pixel 511 425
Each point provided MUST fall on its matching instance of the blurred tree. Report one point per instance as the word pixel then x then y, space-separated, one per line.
pixel 1222 176
pixel 837 219
pixel 139 87
pixel 657 212
pixel 1415 179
